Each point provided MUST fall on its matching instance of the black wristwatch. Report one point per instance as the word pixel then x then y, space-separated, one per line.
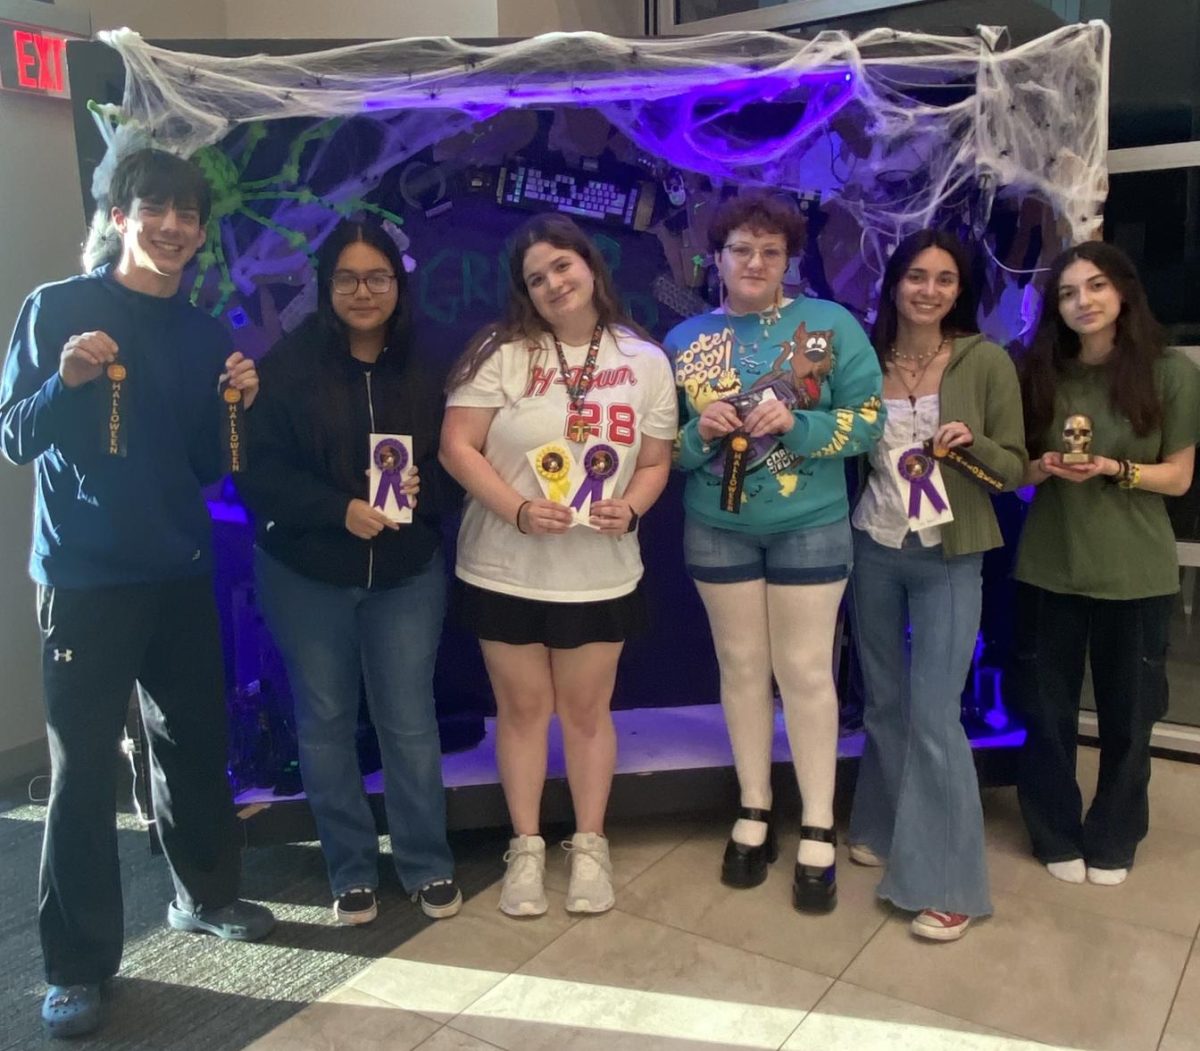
pixel 634 518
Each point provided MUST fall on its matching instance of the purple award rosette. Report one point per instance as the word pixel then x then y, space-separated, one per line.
pixel 600 462
pixel 916 467
pixel 391 458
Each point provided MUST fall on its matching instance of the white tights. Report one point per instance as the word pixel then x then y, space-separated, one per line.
pixel 760 628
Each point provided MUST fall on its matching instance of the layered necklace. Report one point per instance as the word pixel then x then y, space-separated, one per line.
pixel 910 369
pixel 767 319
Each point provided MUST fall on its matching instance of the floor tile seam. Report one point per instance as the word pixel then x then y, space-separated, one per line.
pixel 654 864
pixel 840 976
pixel 1093 915
pixel 447 1025
pixel 807 1014
pixel 726 945
pixel 1178 986
pixel 936 1010
pixel 1162 1033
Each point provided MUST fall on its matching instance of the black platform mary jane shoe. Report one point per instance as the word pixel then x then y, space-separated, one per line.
pixel 814 888
pixel 745 866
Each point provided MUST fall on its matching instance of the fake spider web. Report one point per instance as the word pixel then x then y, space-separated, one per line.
pixel 1033 116
pixel 902 130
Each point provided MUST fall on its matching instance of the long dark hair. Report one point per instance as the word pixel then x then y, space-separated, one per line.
pixel 333 328
pixel 328 333
pixel 961 319
pixel 521 319
pixel 1139 342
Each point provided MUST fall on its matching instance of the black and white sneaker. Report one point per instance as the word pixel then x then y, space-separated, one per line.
pixel 439 899
pixel 357 906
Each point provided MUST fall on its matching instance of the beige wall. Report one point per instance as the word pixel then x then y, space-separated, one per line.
pixel 359 19
pixel 531 17
pixel 41 227
pixel 156 19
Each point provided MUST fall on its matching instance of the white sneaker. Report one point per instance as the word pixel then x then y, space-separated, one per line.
pixel 1106 877
pixel 524 892
pixel 590 888
pixel 861 854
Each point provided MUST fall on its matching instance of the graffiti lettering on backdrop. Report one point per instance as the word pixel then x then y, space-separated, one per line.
pixel 458 283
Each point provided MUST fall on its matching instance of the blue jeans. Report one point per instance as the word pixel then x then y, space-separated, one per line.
pixel 331 639
pixel 917 799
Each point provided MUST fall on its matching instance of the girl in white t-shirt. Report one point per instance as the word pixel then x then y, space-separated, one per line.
pixel 553 599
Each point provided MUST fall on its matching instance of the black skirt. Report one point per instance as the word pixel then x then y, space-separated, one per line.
pixel 559 625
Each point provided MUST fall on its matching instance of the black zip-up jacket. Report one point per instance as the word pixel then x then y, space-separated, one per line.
pixel 315 400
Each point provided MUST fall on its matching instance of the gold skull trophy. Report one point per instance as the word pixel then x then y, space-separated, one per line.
pixel 1077 439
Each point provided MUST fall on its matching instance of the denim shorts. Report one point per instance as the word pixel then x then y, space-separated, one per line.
pixel 820 555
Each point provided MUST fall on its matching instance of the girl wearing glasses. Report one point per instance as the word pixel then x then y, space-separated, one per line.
pixel 566 377
pixel 775 393
pixel 350 595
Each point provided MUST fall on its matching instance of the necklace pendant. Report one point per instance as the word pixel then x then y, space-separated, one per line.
pixel 578 431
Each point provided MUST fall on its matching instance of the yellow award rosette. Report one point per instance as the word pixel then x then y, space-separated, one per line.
pixel 553 463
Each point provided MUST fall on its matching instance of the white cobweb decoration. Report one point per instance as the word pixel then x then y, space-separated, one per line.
pixel 898 126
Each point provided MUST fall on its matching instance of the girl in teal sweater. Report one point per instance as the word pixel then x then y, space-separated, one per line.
pixel 774 394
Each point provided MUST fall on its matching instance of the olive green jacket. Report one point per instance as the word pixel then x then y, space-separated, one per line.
pixel 980 388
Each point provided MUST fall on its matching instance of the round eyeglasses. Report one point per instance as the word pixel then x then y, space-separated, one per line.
pixel 744 253
pixel 345 283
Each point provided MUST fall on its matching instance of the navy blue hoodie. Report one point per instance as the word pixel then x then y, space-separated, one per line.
pixel 104 520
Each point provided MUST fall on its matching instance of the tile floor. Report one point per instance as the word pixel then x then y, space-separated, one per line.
pixel 686 963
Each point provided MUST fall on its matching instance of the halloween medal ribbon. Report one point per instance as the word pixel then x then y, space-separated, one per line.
pixel 600 463
pixel 916 468
pixel 114 422
pixel 233 427
pixel 966 463
pixel 391 458
pixel 733 479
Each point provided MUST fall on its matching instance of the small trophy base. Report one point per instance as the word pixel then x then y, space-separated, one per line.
pixel 1074 458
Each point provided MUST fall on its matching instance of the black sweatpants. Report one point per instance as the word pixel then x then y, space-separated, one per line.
pixel 96 644
pixel 1128 645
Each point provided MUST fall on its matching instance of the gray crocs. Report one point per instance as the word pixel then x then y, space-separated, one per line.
pixel 239 921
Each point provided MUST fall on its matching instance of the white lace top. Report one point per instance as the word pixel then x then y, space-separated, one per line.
pixel 882 511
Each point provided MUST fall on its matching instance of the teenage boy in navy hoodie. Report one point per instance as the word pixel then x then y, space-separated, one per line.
pixel 122 557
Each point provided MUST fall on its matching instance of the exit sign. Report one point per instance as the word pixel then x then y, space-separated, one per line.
pixel 33 60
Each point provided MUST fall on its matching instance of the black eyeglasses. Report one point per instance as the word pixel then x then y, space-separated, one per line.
pixel 345 283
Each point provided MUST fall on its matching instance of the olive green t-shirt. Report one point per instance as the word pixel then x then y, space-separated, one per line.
pixel 1094 538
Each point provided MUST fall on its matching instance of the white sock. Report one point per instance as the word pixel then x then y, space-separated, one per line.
pixel 1106 877
pixel 803 619
pixel 749 833
pixel 737 616
pixel 1073 871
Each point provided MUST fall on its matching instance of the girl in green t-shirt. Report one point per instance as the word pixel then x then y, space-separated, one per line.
pixel 1097 567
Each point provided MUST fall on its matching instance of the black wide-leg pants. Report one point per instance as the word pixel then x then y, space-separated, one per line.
pixel 96 644
pixel 1127 642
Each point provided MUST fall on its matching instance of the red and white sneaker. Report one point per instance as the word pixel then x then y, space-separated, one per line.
pixel 940 926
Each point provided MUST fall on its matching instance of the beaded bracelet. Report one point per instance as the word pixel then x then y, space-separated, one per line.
pixel 1131 475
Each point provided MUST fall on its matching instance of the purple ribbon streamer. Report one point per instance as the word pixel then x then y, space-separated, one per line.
pixel 916 468
pixel 599 462
pixel 391 482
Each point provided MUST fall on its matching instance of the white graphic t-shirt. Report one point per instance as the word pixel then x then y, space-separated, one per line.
pixel 632 394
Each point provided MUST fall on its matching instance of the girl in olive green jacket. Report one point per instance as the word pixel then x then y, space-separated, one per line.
pixel 947 391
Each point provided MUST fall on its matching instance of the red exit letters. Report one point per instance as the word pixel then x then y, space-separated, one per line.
pixel 40 63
